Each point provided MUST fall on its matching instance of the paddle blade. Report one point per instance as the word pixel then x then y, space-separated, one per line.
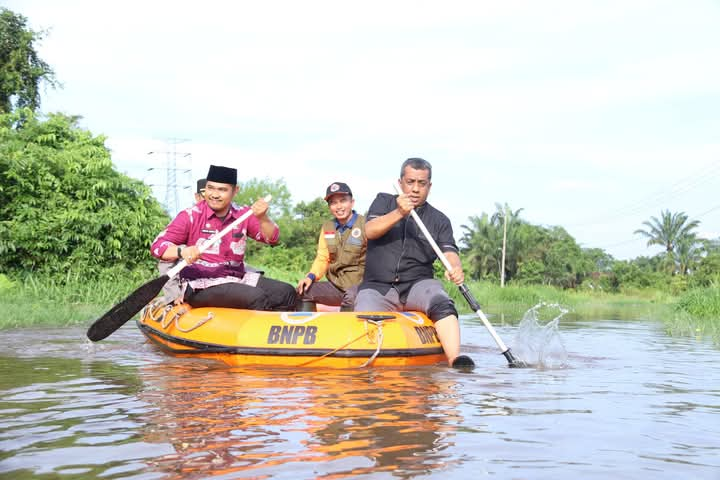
pixel 513 361
pixel 125 310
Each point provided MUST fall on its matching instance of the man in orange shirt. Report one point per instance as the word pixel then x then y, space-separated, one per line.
pixel 340 255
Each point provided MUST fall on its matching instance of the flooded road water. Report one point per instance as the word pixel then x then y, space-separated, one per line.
pixel 631 403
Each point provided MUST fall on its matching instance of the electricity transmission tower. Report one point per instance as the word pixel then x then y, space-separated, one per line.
pixel 172 168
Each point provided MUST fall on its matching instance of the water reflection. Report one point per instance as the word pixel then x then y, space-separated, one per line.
pixel 258 421
pixel 60 415
pixel 632 403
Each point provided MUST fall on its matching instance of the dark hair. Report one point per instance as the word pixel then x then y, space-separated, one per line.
pixel 417 164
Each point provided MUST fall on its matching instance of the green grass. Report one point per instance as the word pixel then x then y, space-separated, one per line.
pixel 697 314
pixel 519 298
pixel 36 301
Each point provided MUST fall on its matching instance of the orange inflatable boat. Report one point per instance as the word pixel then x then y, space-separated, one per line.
pixel 316 339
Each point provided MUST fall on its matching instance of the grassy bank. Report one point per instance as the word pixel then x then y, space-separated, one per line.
pixel 33 301
pixel 697 314
pixel 513 299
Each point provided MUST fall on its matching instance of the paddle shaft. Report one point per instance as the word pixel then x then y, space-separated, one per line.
pixel 182 264
pixel 464 289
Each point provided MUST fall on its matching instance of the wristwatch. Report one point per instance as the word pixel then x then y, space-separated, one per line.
pixel 179 252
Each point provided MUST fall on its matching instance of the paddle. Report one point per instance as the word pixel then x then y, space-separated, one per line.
pixel 512 361
pixel 128 308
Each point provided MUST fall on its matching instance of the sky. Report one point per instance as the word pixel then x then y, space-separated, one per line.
pixel 590 115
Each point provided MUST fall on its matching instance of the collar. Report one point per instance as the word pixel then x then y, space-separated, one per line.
pixel 233 212
pixel 341 228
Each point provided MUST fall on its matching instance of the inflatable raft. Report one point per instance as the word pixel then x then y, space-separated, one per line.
pixel 315 339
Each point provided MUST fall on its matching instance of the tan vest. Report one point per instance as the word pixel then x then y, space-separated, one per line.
pixel 347 254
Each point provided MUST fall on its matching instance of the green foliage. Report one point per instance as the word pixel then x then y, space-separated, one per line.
pixel 697 313
pixel 66 299
pixel 21 70
pixel 302 229
pixel 668 230
pixel 641 272
pixel 675 233
pixel 63 207
pixel 254 188
pixel 531 271
pixel 707 270
pixel 5 283
pixel 701 302
pixel 299 232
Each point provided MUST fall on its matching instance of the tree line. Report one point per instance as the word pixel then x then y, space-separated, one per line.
pixel 537 254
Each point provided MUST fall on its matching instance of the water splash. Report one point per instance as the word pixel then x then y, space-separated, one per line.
pixel 539 345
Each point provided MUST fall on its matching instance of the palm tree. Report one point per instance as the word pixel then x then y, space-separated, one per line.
pixel 481 239
pixel 671 231
pixel 690 253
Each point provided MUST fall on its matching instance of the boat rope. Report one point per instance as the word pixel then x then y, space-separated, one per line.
pixel 200 322
pixel 157 305
pixel 378 324
pixel 332 351
pixel 168 320
pixel 157 314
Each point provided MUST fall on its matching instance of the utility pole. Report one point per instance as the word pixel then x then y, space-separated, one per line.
pixel 172 200
pixel 502 268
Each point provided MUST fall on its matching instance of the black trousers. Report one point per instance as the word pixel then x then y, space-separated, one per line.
pixel 269 294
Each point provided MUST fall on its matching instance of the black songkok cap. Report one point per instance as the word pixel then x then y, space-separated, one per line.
pixel 222 175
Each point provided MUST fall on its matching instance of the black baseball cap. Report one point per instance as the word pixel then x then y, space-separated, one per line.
pixel 201 185
pixel 336 188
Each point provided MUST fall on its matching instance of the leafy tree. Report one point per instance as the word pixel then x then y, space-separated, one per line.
pixel 562 259
pixel 706 271
pixel 299 231
pixel 21 69
pixel 690 251
pixel 531 272
pixel 254 188
pixel 63 207
pixel 483 241
pixel 640 273
pixel 598 259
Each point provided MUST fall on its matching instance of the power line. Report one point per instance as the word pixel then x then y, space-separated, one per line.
pixel 704 175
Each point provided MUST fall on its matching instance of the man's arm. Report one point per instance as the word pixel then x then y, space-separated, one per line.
pixel 176 233
pixel 379 226
pixel 268 230
pixel 456 275
pixel 319 266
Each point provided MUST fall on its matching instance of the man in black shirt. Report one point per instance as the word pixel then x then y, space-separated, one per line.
pixel 399 260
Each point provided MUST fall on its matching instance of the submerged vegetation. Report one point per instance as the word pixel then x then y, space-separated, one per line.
pixel 697 314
